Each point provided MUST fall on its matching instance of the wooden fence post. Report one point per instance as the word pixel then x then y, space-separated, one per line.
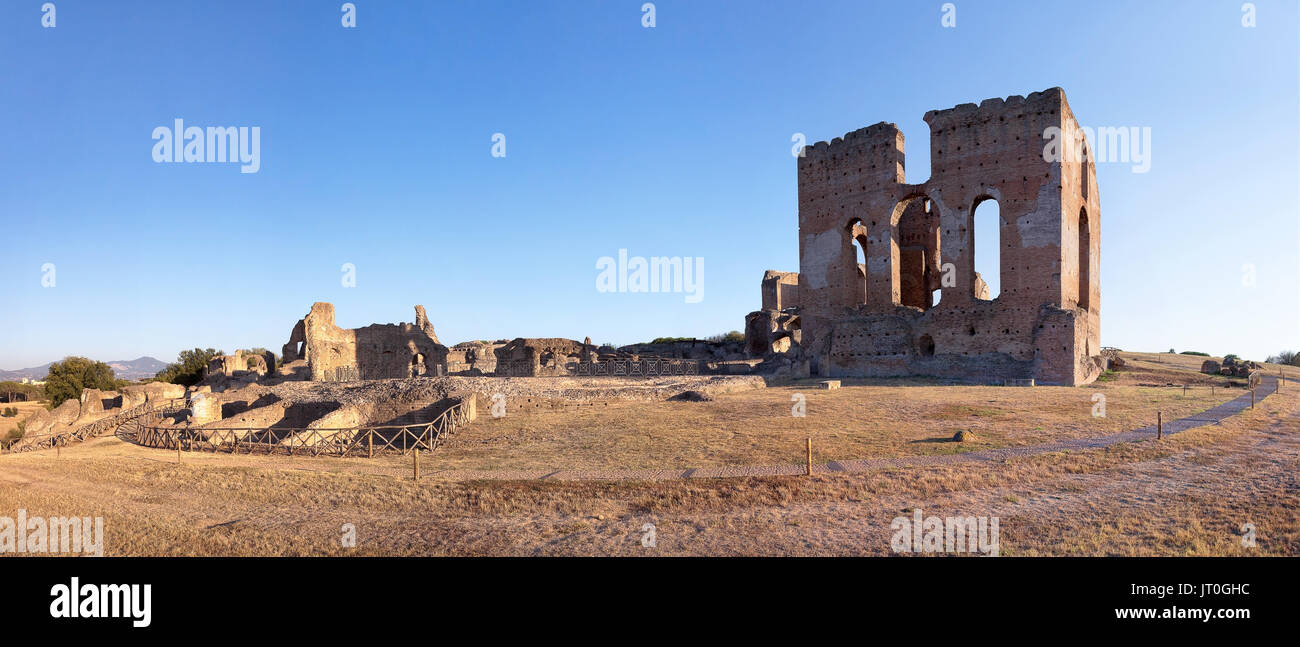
pixel 1160 426
pixel 1252 398
pixel 809 470
pixel 370 443
pixel 417 463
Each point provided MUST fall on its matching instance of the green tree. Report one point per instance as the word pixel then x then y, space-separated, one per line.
pixel 10 390
pixel 189 366
pixel 67 379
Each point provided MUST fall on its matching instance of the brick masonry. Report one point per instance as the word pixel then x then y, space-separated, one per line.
pixel 879 318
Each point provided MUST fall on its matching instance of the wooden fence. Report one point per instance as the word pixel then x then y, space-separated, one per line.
pixel 344 441
pixel 99 427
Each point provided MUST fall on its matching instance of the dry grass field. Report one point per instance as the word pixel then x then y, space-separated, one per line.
pixel 1188 494
pixel 25 409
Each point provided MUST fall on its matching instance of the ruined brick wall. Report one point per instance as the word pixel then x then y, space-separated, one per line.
pixel 473 358
pixel 377 351
pixel 878 318
pixel 539 357
pixel 780 290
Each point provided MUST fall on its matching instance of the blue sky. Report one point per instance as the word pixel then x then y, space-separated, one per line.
pixel 668 141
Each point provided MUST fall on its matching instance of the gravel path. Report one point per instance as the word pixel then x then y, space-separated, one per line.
pixel 1170 427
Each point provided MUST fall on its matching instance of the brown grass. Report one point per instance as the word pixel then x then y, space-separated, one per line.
pixel 1188 494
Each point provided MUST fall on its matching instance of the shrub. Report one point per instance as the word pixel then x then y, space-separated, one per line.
pixel 14 435
pixel 1194 352
pixel 733 336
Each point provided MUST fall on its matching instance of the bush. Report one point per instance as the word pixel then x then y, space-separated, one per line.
pixel 1194 352
pixel 189 367
pixel 669 340
pixel 1231 356
pixel 14 435
pixel 67 379
pixel 1288 357
pixel 733 336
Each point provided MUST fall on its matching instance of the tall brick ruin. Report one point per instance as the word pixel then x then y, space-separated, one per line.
pixel 879 318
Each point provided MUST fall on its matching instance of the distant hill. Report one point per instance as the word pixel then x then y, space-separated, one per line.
pixel 132 369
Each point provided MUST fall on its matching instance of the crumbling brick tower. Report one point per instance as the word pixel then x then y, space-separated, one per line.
pixel 877 319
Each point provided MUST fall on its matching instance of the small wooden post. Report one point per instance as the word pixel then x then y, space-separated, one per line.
pixel 809 471
pixel 178 449
pixel 1160 426
pixel 370 444
pixel 1211 390
pixel 417 463
pixel 1184 390
pixel 58 450
pixel 1252 398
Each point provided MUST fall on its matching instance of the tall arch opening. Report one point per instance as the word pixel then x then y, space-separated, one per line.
pixel 1085 261
pixel 987 226
pixel 857 234
pixel 916 235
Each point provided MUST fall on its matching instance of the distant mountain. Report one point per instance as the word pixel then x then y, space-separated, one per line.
pixel 124 369
pixel 138 368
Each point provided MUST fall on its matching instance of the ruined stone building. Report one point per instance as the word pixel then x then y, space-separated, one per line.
pixel 319 350
pixel 542 357
pixel 239 363
pixel 880 317
pixel 473 357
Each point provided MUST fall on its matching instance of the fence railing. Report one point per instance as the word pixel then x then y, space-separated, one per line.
pixel 97 428
pixel 342 441
pixel 619 367
pixel 644 367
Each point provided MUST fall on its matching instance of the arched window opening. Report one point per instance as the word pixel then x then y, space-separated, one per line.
pixel 987 223
pixel 858 237
pixel 918 253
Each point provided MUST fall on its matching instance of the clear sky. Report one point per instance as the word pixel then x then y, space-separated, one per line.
pixel 376 144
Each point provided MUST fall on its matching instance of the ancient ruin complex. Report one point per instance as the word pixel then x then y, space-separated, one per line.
pixel 326 352
pixel 880 318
